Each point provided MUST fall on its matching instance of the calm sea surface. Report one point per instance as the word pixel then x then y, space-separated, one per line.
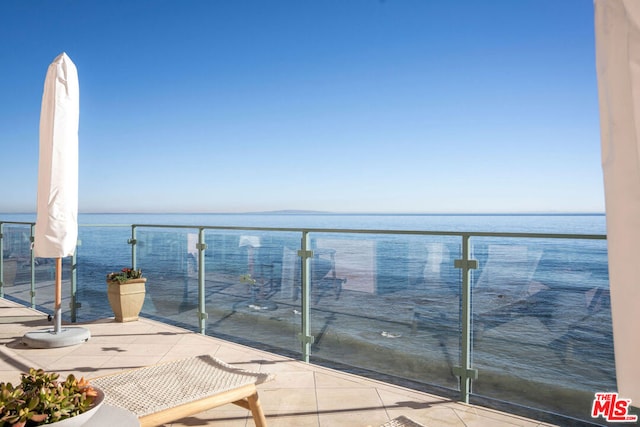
pixel 579 224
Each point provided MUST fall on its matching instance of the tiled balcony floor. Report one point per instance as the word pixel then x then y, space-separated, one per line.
pixel 301 395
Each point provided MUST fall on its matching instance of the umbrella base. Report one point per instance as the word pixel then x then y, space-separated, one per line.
pixel 48 338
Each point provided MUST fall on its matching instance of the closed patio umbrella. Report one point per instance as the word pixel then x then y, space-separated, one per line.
pixel 56 231
pixel 617 24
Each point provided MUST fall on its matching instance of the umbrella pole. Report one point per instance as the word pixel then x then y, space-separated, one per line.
pixel 57 318
pixel 57 337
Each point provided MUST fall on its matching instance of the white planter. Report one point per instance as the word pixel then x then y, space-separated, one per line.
pixel 82 419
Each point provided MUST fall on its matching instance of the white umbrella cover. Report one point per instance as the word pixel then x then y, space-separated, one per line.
pixel 617 24
pixel 56 230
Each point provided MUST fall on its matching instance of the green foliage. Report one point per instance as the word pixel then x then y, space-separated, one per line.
pixel 246 278
pixel 41 399
pixel 124 275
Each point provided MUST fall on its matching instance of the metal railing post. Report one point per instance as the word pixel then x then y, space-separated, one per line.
pixel 202 310
pixel 32 239
pixel 305 255
pixel 132 241
pixel 74 284
pixel 465 372
pixel 1 260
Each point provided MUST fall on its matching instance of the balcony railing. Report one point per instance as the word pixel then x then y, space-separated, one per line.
pixel 522 318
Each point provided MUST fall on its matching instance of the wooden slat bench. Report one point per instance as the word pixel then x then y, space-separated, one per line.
pixel 169 391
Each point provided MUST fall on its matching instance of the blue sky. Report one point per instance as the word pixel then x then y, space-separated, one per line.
pixel 332 105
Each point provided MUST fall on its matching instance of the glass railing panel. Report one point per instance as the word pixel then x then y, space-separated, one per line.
pixel 387 304
pixel 102 249
pixel 542 322
pixel 436 294
pixel 251 293
pixel 17 262
pixel 18 272
pixel 45 292
pixel 168 259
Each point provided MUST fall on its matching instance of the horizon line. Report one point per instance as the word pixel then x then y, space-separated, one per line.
pixel 313 212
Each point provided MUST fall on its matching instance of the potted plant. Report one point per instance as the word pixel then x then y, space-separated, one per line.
pixel 256 303
pixel 41 399
pixel 126 292
pixel 252 285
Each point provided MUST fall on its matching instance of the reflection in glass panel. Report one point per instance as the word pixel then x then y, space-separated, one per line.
pixel 542 322
pixel 250 291
pixel 388 305
pixel 167 258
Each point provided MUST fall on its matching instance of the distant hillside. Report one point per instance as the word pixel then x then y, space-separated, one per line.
pixel 290 212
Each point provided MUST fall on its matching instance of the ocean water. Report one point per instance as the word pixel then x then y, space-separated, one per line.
pixel 540 307
pixel 521 223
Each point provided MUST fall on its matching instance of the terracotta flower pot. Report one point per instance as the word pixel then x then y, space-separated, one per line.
pixel 126 299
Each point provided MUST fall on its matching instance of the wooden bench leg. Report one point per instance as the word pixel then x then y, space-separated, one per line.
pixel 256 410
